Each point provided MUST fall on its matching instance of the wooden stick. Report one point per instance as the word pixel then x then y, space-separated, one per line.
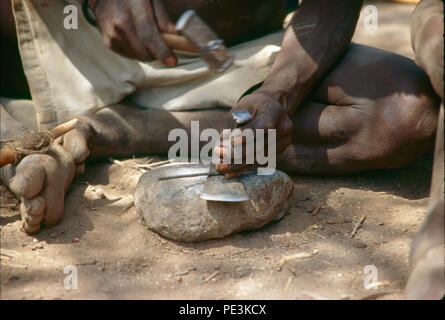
pixel 178 42
pixel 357 226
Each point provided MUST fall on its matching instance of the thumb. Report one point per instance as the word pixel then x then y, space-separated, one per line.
pixel 75 142
pixel 165 25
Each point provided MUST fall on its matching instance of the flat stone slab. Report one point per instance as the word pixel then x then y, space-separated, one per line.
pixel 174 208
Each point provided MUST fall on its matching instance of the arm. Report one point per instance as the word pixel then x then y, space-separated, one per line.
pixel 318 35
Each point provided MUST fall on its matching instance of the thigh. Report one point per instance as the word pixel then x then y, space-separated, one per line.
pixel 375 109
pixel 370 92
pixel 366 75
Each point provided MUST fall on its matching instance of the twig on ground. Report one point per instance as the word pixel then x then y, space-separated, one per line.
pixel 317 210
pixel 288 284
pixel 301 255
pixel 377 285
pixel 214 274
pixel 357 226
pixel 315 296
pixel 128 206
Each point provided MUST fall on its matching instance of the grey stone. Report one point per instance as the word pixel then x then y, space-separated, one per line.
pixel 174 208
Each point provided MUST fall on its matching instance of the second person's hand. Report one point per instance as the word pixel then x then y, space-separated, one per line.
pixel 133 29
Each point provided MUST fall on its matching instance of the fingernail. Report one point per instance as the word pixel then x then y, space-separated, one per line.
pixel 230 175
pixel 221 167
pixel 170 61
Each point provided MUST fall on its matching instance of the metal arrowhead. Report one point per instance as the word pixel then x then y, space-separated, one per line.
pixel 218 188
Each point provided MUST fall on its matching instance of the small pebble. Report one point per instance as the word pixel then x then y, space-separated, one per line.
pixel 75 240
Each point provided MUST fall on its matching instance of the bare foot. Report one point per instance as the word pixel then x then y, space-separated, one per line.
pixel 42 180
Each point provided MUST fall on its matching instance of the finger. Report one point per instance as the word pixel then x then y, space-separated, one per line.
pixel 149 35
pixel 283 144
pixel 282 128
pixel 124 52
pixel 75 142
pixel 118 45
pixel 239 172
pixel 135 46
pixel 29 177
pixel 34 206
pixel 248 157
pixel 243 148
pixel 285 127
pixel 164 22
pixel 227 168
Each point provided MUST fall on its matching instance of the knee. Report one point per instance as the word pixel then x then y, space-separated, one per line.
pixel 427 41
pixel 419 115
pixel 401 129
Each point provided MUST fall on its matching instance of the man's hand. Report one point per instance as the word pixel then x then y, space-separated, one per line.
pixel 133 29
pixel 267 114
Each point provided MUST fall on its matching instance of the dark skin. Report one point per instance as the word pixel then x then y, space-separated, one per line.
pixel 299 67
pixel 282 92
pixel 426 279
pixel 327 120
pixel 133 28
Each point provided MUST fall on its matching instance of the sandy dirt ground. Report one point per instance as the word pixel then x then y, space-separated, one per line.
pixel 117 257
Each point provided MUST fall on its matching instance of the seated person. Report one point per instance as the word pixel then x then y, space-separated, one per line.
pixel 337 107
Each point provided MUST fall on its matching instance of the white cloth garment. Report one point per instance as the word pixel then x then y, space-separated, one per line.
pixel 71 72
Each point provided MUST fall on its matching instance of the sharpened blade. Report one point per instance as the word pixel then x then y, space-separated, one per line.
pixel 218 188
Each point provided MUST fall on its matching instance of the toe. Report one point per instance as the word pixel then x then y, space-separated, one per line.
pixel 29 177
pixel 34 206
pixel 30 229
pixel 32 213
